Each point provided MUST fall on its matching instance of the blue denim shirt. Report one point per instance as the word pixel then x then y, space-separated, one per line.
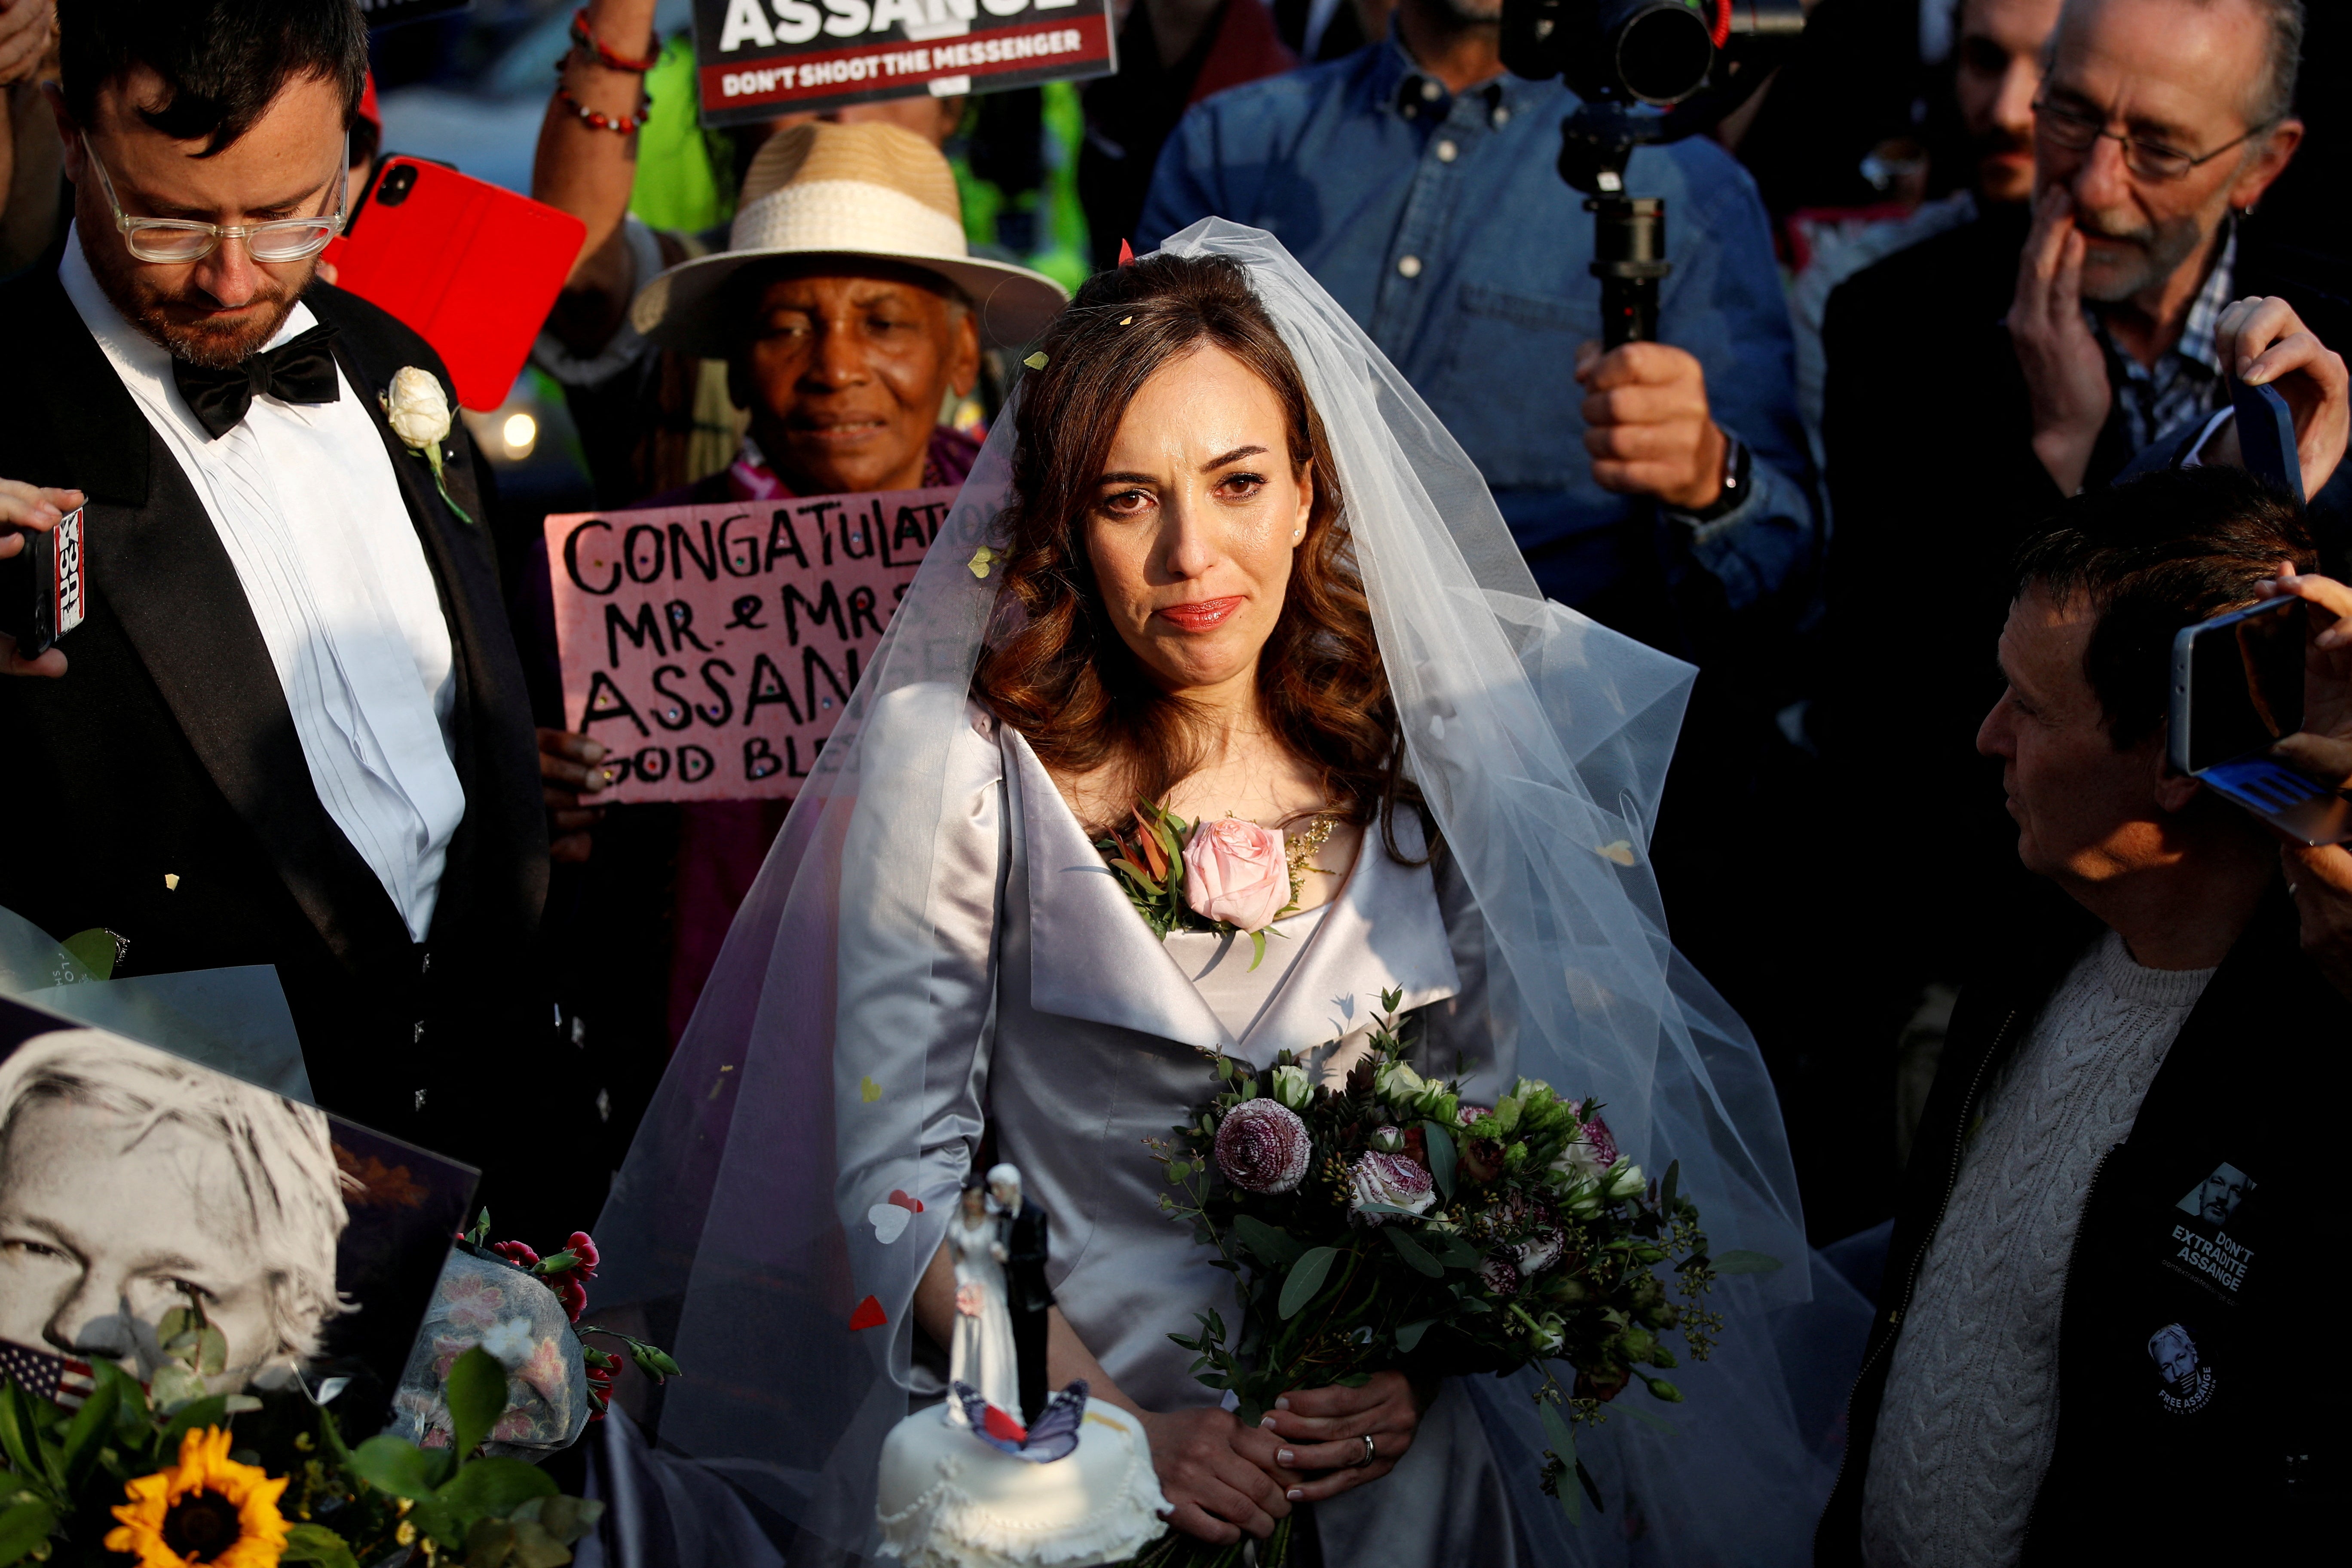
pixel 1440 224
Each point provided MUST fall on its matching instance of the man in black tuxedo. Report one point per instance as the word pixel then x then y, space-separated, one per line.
pixel 292 729
pixel 1978 379
pixel 1021 1225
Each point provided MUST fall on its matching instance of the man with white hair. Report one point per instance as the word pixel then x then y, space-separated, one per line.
pixel 1021 1225
pixel 132 1182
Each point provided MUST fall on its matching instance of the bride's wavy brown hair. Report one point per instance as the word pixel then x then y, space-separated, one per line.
pixel 1064 677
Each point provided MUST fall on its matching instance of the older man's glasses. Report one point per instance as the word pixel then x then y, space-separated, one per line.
pixel 182 240
pixel 2080 130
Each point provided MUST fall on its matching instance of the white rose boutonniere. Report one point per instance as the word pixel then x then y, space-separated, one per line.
pixel 419 414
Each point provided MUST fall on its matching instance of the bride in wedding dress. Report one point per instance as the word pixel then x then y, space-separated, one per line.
pixel 1219 560
pixel 981 1354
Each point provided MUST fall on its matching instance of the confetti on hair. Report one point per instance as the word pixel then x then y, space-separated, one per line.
pixel 1035 360
pixel 1126 254
pixel 1124 319
pixel 980 560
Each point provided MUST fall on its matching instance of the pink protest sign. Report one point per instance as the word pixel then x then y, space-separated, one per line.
pixel 711 649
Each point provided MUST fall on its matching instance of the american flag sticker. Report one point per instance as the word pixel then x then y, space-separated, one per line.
pixel 72 569
pixel 47 1375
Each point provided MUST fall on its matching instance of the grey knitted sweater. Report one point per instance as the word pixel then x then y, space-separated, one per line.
pixel 1971 1410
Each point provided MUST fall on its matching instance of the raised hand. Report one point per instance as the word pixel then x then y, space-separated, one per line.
pixel 2066 372
pixel 27 27
pixel 2320 877
pixel 30 509
pixel 568 770
pixel 1646 423
pixel 2265 343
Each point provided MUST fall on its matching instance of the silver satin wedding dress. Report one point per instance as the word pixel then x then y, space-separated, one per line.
pixel 1087 1035
pixel 933 953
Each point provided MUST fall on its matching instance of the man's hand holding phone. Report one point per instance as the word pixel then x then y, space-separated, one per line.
pixel 2320 877
pixel 34 508
pixel 2265 344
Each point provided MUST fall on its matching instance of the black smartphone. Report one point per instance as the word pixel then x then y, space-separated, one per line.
pixel 2266 436
pixel 45 586
pixel 2237 691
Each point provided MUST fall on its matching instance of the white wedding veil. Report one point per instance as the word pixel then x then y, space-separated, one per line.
pixel 1539 742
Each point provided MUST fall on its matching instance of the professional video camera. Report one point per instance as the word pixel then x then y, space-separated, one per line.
pixel 1648 72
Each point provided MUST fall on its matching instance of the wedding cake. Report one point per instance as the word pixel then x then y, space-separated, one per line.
pixel 963 1485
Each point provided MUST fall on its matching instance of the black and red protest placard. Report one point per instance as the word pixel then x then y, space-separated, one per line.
pixel 759 58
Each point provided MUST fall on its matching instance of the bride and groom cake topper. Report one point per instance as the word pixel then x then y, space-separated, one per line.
pixel 998 1241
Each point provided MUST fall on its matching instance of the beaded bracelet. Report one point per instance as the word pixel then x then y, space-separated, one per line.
pixel 595 45
pixel 622 124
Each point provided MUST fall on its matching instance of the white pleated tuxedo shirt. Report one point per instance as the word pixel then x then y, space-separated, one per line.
pixel 308 507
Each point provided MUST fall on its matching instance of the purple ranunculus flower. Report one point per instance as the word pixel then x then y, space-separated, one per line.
pixel 1393 1180
pixel 1262 1147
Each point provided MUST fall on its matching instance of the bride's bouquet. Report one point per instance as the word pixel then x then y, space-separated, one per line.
pixel 1387 1223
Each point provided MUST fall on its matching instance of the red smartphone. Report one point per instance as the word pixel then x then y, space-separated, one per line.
pixel 472 266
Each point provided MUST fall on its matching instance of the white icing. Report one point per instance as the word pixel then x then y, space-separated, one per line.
pixel 988 1510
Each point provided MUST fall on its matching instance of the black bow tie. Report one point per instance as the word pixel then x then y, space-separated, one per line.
pixel 301 369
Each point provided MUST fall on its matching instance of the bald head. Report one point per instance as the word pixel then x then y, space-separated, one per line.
pixel 2265 67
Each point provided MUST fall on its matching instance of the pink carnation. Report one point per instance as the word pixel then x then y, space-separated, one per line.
pixel 515 1252
pixel 1262 1147
pixel 1235 872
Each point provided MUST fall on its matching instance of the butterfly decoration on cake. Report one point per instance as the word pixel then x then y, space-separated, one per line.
pixel 1054 1435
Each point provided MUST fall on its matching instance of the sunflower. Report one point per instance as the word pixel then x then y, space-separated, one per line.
pixel 207 1509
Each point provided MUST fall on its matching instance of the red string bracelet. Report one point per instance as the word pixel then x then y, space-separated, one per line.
pixel 595 45
pixel 620 123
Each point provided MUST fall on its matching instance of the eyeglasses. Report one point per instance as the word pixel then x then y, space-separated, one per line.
pixel 2078 131
pixel 182 240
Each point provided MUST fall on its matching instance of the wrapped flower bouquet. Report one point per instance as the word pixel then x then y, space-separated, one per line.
pixel 1385 1223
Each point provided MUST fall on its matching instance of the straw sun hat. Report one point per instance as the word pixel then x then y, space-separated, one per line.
pixel 872 191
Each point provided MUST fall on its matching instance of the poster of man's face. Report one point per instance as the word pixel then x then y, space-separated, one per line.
pixel 2216 1198
pixel 2175 1354
pixel 133 1184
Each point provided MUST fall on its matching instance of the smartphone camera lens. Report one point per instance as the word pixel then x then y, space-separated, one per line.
pixel 398 180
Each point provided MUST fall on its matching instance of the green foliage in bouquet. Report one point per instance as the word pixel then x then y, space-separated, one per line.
pixel 252 1480
pixel 1386 1225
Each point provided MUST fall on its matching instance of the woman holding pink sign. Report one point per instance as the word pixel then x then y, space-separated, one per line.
pixel 842 314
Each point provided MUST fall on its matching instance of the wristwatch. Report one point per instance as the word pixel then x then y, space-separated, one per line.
pixel 1738 466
